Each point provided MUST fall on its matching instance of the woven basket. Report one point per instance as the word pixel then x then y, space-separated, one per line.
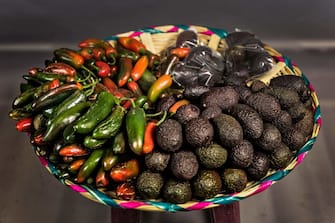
pixel 156 40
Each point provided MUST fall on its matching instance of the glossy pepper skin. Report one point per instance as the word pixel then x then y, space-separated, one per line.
pixel 125 191
pixel 125 171
pixel 109 159
pixel 139 68
pixel 132 44
pixel 95 114
pixel 149 142
pixel 125 69
pixel 90 165
pixel 135 127
pixel 159 86
pixel 25 125
pixel 119 144
pixel 60 68
pixel 69 57
pixel 73 150
pixel 103 69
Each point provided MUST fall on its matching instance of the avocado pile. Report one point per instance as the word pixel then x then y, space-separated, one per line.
pixel 188 124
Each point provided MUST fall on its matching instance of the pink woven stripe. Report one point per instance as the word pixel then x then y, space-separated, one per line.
pixel 263 186
pixel 173 29
pixel 132 204
pixel 319 122
pixel 311 87
pixel 199 205
pixel 300 158
pixel 77 188
pixel 43 161
pixel 134 34
pixel 208 32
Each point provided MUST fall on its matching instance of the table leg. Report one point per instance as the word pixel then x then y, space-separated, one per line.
pixel 229 213
pixel 119 215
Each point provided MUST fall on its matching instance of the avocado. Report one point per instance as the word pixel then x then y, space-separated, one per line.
pixel 149 185
pixel 169 135
pixel 194 92
pixel 198 132
pixel 283 120
pixel 281 156
pixel 250 120
pixel 229 130
pixel 207 184
pixel 234 80
pixel 187 112
pixel 297 111
pixel 184 165
pixel 224 97
pixel 259 166
pixel 286 97
pixel 241 155
pixel 257 85
pixel 244 92
pixel 266 105
pixel 177 191
pixel 210 112
pixel 234 180
pixel 270 138
pixel 165 103
pixel 212 156
pixel 157 161
pixel 305 125
pixel 293 82
pixel 293 138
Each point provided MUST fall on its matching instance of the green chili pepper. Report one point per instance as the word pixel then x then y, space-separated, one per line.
pixel 61 121
pixel 119 144
pixel 93 143
pixel 140 101
pixel 90 165
pixel 19 113
pixel 24 98
pixel 95 114
pixel 123 52
pixel 69 57
pixel 135 126
pixel 109 159
pixel 69 135
pixel 25 86
pixel 111 125
pixel 45 77
pixel 146 80
pixel 159 86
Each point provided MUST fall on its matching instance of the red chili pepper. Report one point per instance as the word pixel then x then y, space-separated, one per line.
pixel 114 70
pixel 24 125
pixel 149 142
pixel 38 140
pixel 135 88
pixel 125 191
pixel 76 165
pixel 73 150
pixel 92 42
pixel 70 57
pixel 34 70
pixel 111 53
pixel 54 84
pixel 124 73
pixel 125 171
pixel 132 44
pixel 86 52
pixel 139 68
pixel 109 84
pixel 60 68
pixel 99 54
pixel 173 109
pixel 126 104
pixel 101 179
pixel 103 68
pixel 158 87
pixel 181 52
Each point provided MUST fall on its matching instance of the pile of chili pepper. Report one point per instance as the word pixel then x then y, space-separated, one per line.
pixel 91 111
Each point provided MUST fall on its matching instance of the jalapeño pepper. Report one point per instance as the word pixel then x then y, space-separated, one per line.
pixel 119 144
pixel 159 86
pixel 125 171
pixel 124 72
pixel 90 165
pixel 93 143
pixel 135 127
pixel 95 114
pixel 132 44
pixel 69 57
pixel 60 68
pixel 109 159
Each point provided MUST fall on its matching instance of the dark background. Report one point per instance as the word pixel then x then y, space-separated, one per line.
pixel 31 29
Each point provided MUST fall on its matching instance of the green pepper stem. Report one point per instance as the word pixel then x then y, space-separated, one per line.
pixel 162 119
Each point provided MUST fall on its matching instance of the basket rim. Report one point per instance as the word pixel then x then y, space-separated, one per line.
pixel 221 199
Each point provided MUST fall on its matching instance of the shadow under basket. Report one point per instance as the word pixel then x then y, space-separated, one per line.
pixel 157 39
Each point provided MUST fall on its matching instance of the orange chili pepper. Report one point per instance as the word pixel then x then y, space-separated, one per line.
pixel 101 179
pixel 124 73
pixel 109 84
pixel 139 68
pixel 76 165
pixel 73 150
pixel 132 44
pixel 173 109
pixel 125 171
pixel 149 142
pixel 181 52
pixel 159 86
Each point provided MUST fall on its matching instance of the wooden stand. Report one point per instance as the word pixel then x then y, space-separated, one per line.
pixel 229 213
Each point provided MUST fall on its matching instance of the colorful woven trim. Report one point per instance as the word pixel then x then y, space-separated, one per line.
pixel 252 188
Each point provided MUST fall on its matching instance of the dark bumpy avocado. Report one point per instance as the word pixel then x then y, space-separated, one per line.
pixel 210 112
pixel 244 92
pixel 184 165
pixel 250 120
pixel 305 126
pixel 297 111
pixel 165 103
pixel 199 132
pixel 292 82
pixel 281 156
pixel 224 97
pixel 267 105
pixel 286 97
pixel 270 138
pixel 157 161
pixel 293 138
pixel 234 180
pixel 207 184
pixel 283 120
pixel 177 191
pixel 212 156
pixel 259 166
pixel 228 129
pixel 187 112
pixel 193 92
pixel 241 155
pixel 257 85
pixel 169 135
pixel 149 184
